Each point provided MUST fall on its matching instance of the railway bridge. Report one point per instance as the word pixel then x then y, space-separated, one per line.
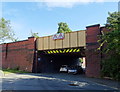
pixel 60 49
pixel 47 54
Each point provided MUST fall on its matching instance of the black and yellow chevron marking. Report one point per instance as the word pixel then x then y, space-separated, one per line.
pixel 63 51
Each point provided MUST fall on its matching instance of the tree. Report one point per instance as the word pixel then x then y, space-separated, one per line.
pixel 111 40
pixel 34 34
pixel 6 33
pixel 63 28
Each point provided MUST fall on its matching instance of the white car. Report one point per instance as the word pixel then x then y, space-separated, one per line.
pixel 64 68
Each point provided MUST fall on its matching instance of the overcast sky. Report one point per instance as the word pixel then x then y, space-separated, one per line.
pixel 43 17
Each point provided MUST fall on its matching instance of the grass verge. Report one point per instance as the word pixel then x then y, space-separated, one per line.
pixel 7 71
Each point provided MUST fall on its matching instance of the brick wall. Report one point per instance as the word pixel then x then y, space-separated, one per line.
pixel 22 54
pixel 93 57
pixel 18 54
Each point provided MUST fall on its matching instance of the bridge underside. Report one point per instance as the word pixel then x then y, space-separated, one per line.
pixel 52 60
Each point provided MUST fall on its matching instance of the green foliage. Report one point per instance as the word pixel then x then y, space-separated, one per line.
pixel 34 34
pixel 81 60
pixel 6 33
pixel 63 28
pixel 111 40
pixel 7 71
pixel 113 21
pixel 111 68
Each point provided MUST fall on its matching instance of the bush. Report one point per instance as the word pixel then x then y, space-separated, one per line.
pixel 110 68
pixel 16 68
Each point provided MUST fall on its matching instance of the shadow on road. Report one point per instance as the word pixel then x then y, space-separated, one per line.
pixel 50 81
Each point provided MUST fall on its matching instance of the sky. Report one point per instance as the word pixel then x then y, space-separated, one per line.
pixel 43 16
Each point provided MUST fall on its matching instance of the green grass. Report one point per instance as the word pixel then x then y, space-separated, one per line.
pixel 7 71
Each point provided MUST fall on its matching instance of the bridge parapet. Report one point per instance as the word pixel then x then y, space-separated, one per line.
pixel 71 40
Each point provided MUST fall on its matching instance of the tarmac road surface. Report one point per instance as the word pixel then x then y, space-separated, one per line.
pixel 50 81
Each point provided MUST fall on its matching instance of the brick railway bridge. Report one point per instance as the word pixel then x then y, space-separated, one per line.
pixel 47 54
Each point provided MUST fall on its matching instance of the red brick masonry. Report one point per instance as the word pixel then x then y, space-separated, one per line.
pixel 93 56
pixel 18 54
pixel 21 54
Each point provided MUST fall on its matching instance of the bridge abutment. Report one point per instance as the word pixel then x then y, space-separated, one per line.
pixel 93 56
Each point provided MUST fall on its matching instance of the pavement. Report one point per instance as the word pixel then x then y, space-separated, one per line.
pixel 55 81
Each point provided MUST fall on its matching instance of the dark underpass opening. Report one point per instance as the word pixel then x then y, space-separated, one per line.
pixel 51 63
